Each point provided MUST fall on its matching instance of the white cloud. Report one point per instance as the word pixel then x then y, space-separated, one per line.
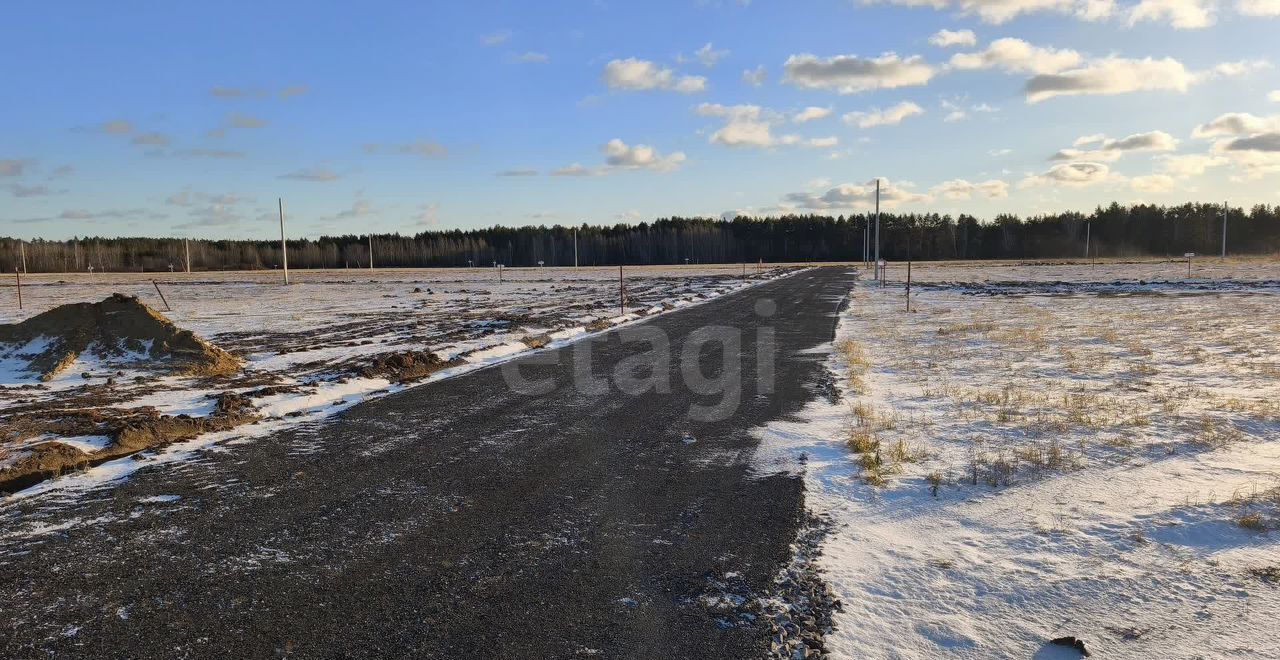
pixel 887 117
pixel 1016 55
pixel 1153 183
pixel 752 126
pixel 962 189
pixel 850 74
pixel 949 38
pixel 755 77
pixel 1107 149
pixel 117 127
pixel 13 167
pixel 1274 96
pixel 238 120
pixel 620 156
pixel 709 56
pixel 1264 142
pixel 1258 7
pixel 495 38
pixel 811 113
pixel 577 169
pixel 855 196
pixel 635 74
pixel 1237 123
pixel 151 139
pixel 423 148
pixel 1188 165
pixel 317 174
pixel 1181 14
pixel 1234 69
pixel 427 214
pixel 996 153
pixel 1077 174
pixel 1112 75
pixel 1001 11
pixel 532 57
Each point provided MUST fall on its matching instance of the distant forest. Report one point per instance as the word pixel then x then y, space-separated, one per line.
pixel 1113 231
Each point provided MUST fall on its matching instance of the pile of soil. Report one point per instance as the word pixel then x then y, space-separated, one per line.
pixel 130 433
pixel 120 327
pixel 406 366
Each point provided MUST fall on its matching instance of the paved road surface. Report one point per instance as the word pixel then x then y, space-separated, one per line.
pixel 453 519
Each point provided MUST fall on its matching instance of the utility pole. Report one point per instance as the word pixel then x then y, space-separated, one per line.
pixel 22 248
pixel 1088 226
pixel 186 247
pixel 370 251
pixel 878 274
pixel 866 239
pixel 1224 234
pixel 284 247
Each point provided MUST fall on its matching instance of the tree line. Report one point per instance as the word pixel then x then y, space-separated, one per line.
pixel 1112 231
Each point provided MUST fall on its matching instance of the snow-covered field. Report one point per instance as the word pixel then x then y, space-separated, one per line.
pixel 1098 458
pixel 308 343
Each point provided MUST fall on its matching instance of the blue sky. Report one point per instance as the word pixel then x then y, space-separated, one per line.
pixel 190 120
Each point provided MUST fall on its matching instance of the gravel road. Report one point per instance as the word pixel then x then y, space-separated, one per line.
pixel 459 518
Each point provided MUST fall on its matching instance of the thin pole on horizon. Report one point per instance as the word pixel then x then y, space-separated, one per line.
pixel 22 249
pixel 284 247
pixel 879 275
pixel 186 247
pixel 370 251
pixel 575 247
pixel 1224 232
pixel 1088 226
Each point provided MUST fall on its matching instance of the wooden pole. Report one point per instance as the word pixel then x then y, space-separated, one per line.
pixel 186 246
pixel 18 275
pixel 284 247
pixel 162 298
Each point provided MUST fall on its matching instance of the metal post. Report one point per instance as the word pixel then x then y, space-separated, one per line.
pixel 881 276
pixel 284 247
pixel 1224 231
pixel 370 251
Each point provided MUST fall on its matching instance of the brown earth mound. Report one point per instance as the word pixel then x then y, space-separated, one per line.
pixel 130 433
pixel 119 327
pixel 406 366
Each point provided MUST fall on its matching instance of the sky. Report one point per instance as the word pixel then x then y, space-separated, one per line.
pixel 192 119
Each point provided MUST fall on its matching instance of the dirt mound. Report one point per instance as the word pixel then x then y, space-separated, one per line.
pixel 118 329
pixel 406 366
pixel 129 431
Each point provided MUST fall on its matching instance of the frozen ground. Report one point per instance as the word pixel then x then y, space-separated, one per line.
pixel 306 345
pixel 1097 458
